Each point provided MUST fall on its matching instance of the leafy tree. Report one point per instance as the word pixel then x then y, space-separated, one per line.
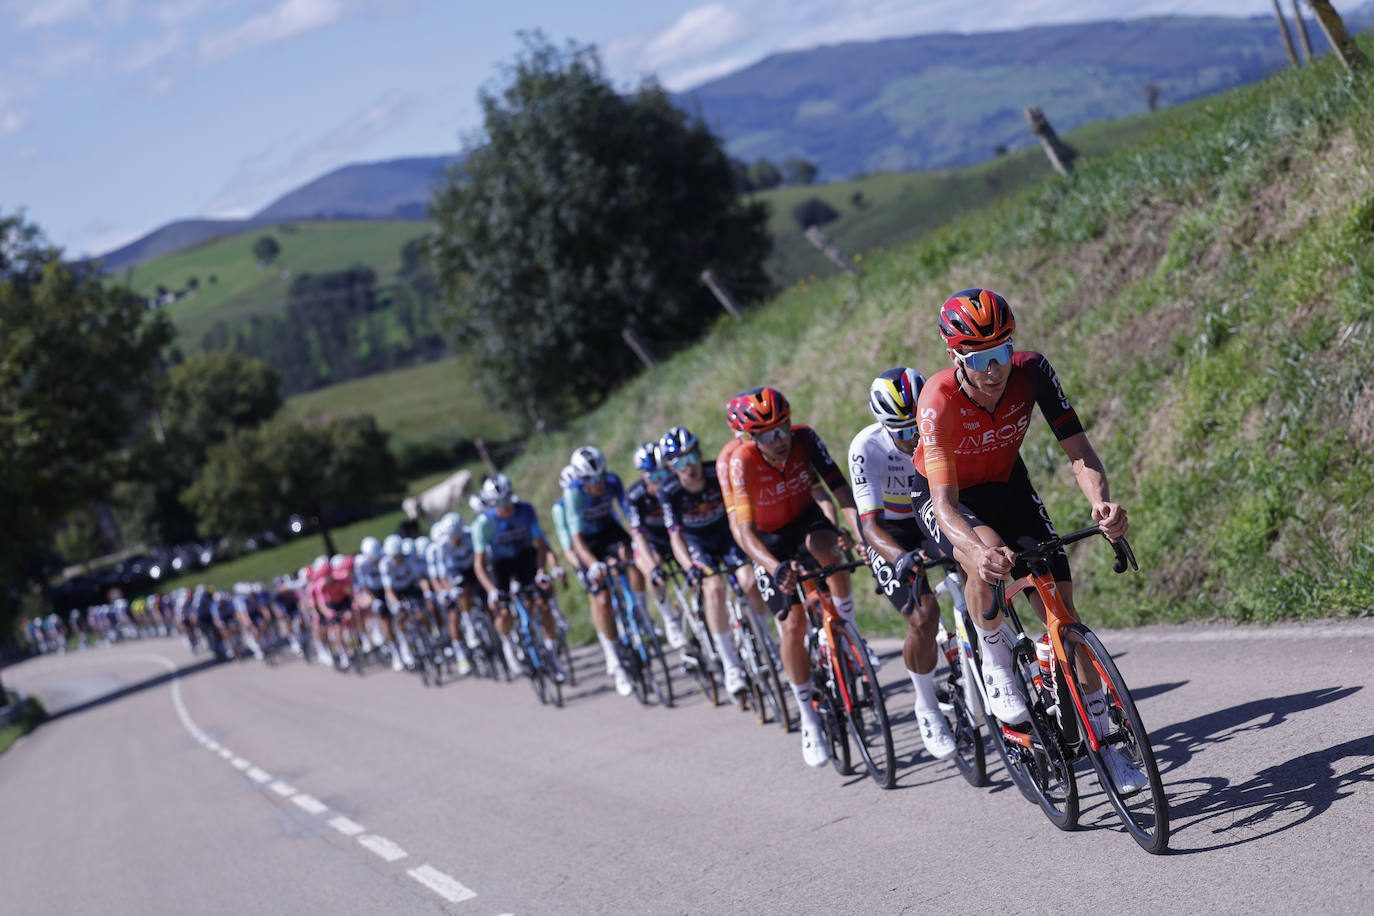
pixel 814 212
pixel 798 170
pixel 585 212
pixel 193 283
pixel 857 200
pixel 764 175
pixel 210 394
pixel 77 357
pixel 257 478
pixel 740 168
pixel 266 249
pixel 213 278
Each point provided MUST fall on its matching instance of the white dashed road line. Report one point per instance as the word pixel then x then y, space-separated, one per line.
pixel 446 886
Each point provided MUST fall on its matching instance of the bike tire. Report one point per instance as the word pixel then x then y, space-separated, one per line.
pixel 970 758
pixel 1145 814
pixel 767 673
pixel 1046 770
pixel 697 665
pixel 656 671
pixel 867 711
pixel 565 656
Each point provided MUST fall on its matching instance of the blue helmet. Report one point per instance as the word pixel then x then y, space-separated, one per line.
pixel 648 458
pixel 677 441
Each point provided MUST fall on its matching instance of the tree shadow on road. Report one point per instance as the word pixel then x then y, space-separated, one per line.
pixel 130 689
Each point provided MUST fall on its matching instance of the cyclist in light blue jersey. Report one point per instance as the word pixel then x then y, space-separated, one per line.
pixel 560 526
pixel 450 559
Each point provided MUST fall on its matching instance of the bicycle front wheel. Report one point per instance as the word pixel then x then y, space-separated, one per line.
pixel 865 707
pixel 656 674
pixel 1145 813
pixel 765 671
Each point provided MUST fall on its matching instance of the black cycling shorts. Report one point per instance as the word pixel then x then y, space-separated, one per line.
pixel 1012 509
pixel 520 568
pixel 785 544
pixel 910 535
pixel 713 549
pixel 606 542
pixel 659 541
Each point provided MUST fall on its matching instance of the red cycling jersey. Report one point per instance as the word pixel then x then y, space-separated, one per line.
pixel 963 444
pixel 723 473
pixel 771 497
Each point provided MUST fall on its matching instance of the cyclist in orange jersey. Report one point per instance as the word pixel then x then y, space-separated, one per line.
pixel 972 490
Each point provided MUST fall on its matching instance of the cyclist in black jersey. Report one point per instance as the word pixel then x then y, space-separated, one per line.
pixel 649 535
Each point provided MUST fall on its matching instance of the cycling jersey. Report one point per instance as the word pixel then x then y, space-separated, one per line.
pixel 771 497
pixel 963 444
pixel 367 574
pixel 694 511
pixel 420 564
pixel 644 512
pixel 399 574
pixel 881 476
pixel 588 514
pixel 723 472
pixel 450 560
pixel 503 538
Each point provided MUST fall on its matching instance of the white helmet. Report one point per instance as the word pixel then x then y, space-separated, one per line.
pixel 893 395
pixel 371 548
pixel 450 519
pixel 566 477
pixel 476 505
pixel 338 562
pixel 588 461
pixel 321 562
pixel 496 491
pixel 438 531
pixel 421 545
pixel 408 547
pixel 391 547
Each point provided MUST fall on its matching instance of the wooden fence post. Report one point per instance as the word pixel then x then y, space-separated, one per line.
pixel 492 469
pixel 1334 29
pixel 1058 152
pixel 816 237
pixel 637 345
pixel 1305 42
pixel 722 294
pixel 1287 38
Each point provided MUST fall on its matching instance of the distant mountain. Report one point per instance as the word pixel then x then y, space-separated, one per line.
pixel 933 101
pixel 394 189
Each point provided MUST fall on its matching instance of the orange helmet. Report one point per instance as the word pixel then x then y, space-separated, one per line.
pixel 762 410
pixel 732 415
pixel 976 318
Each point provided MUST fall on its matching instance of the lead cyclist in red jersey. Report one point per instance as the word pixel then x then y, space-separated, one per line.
pixel 972 489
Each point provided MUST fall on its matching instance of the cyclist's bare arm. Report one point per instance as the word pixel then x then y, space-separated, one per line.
pixel 680 551
pixel 1092 480
pixel 583 552
pixel 479 566
pixel 871 527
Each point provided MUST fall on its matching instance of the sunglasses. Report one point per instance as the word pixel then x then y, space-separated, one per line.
pixel 905 432
pixel 660 474
pixel 685 461
pixel 777 434
pixel 981 360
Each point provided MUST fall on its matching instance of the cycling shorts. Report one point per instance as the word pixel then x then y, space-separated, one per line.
pixel 606 542
pixel 1012 509
pixel 786 543
pixel 413 594
pixel 713 550
pixel 520 568
pixel 659 541
pixel 909 535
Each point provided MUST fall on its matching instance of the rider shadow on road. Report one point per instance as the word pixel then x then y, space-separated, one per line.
pixel 1277 798
pixel 130 689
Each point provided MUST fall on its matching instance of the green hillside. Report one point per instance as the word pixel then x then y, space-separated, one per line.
pixel 243 288
pixel 1207 296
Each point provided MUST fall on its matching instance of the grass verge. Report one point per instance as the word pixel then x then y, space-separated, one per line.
pixel 30 717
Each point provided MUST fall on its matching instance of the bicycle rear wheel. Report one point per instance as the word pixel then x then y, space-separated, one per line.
pixel 764 672
pixel 656 672
pixel 1038 761
pixel 867 712
pixel 969 756
pixel 1145 813
pixel 565 656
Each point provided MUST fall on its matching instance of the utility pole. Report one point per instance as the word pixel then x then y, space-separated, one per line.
pixel 727 301
pixel 1303 38
pixel 632 340
pixel 816 237
pixel 1061 156
pixel 1287 38
pixel 1334 29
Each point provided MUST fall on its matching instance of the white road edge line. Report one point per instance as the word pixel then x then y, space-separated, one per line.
pixel 225 753
pixel 239 763
pixel 257 774
pixel 382 847
pixel 310 803
pixel 451 889
pixel 282 789
pixel 346 827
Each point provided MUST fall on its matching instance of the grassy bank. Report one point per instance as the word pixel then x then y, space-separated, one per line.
pixel 30 717
pixel 1206 294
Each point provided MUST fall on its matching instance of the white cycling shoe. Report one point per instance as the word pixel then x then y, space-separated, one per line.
pixel 464 666
pixel 623 686
pixel 512 661
pixel 1126 776
pixel 935 734
pixel 736 684
pixel 815 749
pixel 1004 701
pixel 672 628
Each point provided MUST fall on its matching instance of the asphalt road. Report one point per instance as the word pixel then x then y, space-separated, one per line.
pixel 243 789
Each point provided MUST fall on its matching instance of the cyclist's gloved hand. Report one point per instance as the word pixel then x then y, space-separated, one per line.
pixel 906 566
pixel 558 574
pixel 846 540
pixel 658 577
pixel 596 572
pixel 694 577
pixel 495 597
pixel 783 577
pixel 542 580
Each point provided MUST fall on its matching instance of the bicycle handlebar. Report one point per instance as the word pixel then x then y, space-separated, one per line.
pixel 824 572
pixel 1124 557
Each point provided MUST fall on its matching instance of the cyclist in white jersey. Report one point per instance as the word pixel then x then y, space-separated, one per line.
pixel 881 476
pixel 450 558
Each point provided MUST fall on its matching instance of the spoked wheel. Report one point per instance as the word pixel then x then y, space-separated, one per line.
pixel 867 712
pixel 766 674
pixel 565 656
pixel 1146 812
pixel 656 673
pixel 837 734
pixel 697 664
pixel 1041 769
pixel 634 670
pixel 969 755
pixel 534 673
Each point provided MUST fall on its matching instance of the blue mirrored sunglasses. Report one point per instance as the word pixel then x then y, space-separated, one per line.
pixel 685 461
pixel 660 474
pixel 905 432
pixel 981 360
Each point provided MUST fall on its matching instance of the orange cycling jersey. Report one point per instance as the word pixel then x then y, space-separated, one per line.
pixel 963 444
pixel 771 497
pixel 723 473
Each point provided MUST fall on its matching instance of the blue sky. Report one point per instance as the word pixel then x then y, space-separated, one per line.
pixel 117 116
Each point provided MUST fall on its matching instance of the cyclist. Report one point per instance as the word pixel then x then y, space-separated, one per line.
pixel 368 595
pixel 507 535
pixel 974 494
pixel 649 533
pixel 881 474
pixel 400 580
pixel 596 537
pixel 450 571
pixel 560 525
pixel 694 511
pixel 771 478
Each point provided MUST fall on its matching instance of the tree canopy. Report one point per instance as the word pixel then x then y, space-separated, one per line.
pixel 584 212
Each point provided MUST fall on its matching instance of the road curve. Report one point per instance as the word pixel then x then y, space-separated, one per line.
pixel 239 788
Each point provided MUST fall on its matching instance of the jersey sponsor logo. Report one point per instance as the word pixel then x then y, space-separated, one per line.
pixel 902 484
pixel 883 572
pixel 786 488
pixel 991 437
pixel 928 518
pixel 1054 379
pixel 736 472
pixel 927 425
pixel 974 425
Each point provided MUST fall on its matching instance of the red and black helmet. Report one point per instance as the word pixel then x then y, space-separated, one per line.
pixel 976 319
pixel 761 410
pixel 732 416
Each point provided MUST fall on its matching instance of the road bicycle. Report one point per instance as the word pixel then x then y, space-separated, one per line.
pixel 760 657
pixel 848 697
pixel 1060 731
pixel 699 660
pixel 484 643
pixel 545 584
pixel 536 660
pixel 640 654
pixel 430 661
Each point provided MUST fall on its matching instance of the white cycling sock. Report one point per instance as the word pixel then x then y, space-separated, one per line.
pixel 1095 704
pixel 845 608
pixel 608 647
pixel 926 701
pixel 725 645
pixel 996 652
pixel 803 693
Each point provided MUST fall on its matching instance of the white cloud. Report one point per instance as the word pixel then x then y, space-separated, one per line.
pixel 11 123
pixel 149 51
pixel 697 32
pixel 287 19
pixel 695 76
